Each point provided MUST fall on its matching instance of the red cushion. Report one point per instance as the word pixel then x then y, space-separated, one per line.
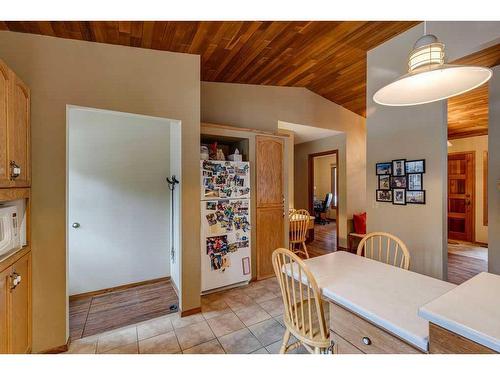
pixel 359 223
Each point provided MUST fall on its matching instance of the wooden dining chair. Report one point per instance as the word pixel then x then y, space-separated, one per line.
pixel 303 308
pixel 385 248
pixel 299 222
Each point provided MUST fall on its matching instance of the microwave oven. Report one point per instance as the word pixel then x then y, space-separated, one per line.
pixel 9 229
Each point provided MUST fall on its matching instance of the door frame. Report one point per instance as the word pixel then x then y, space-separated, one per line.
pixel 473 198
pixel 310 186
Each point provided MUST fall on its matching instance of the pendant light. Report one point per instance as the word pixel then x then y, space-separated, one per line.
pixel 429 78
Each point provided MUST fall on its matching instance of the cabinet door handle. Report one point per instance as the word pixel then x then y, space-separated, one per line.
pixel 367 341
pixel 15 170
pixel 15 279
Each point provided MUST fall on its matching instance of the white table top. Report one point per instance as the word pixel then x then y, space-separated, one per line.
pixel 471 310
pixel 385 295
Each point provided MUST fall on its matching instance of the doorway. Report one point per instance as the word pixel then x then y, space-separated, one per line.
pixel 118 219
pixel 467 213
pixel 323 201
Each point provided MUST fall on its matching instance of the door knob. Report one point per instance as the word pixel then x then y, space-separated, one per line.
pixel 75 225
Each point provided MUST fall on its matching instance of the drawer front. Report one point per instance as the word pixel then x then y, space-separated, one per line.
pixel 342 346
pixel 365 336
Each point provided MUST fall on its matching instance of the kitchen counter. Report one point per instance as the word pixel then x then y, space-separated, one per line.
pixel 471 310
pixel 386 296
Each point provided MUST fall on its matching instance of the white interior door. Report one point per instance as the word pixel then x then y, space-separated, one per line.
pixel 118 200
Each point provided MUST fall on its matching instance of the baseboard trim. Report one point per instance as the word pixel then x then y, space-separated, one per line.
pixel 189 312
pixel 58 349
pixel 117 288
pixel 176 290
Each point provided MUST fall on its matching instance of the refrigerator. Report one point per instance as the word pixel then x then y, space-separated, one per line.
pixel 225 224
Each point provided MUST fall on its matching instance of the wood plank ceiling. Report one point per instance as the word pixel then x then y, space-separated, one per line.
pixel 329 58
pixel 468 113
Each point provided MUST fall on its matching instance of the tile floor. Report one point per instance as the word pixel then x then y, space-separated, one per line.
pixel 242 320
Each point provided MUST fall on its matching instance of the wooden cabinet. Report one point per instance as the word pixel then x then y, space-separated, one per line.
pixel 14 130
pixel 270 201
pixel 4 93
pixel 4 294
pixel 442 341
pixel 15 306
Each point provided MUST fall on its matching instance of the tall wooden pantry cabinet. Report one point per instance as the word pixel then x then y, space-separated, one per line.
pixel 15 186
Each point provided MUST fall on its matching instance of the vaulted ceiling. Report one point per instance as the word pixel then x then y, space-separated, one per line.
pixel 329 58
pixel 468 113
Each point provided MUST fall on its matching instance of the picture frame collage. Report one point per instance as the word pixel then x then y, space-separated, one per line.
pixel 401 181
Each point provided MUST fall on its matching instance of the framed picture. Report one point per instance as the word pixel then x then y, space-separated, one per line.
pixel 384 195
pixel 384 168
pixel 398 182
pixel 415 197
pixel 398 167
pixel 399 196
pixel 415 166
pixel 415 181
pixel 384 182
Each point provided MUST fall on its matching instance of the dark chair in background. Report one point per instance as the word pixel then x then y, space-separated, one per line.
pixel 320 211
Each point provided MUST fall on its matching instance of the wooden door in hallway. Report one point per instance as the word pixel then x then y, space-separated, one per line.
pixel 461 196
pixel 270 201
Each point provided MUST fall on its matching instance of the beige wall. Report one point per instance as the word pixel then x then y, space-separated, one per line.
pixel 61 72
pixel 478 145
pixel 302 151
pixel 494 174
pixel 417 132
pixel 323 179
pixel 261 107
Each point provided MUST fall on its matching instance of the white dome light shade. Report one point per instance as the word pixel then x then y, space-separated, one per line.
pixel 429 85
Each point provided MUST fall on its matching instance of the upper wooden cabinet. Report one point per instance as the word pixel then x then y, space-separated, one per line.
pixel 14 130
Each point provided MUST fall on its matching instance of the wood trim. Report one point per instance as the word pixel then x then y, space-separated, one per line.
pixel 116 288
pixel 467 134
pixel 189 312
pixel 310 185
pixel 209 125
pixel 485 188
pixel 442 341
pixel 58 349
pixel 11 194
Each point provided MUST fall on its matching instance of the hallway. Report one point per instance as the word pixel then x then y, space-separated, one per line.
pixel 325 240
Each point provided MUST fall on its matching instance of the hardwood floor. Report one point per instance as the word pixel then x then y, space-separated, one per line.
pixel 462 268
pixel 92 315
pixel 325 240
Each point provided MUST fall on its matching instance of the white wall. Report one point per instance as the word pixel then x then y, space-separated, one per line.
pixel 494 174
pixel 117 191
pixel 478 145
